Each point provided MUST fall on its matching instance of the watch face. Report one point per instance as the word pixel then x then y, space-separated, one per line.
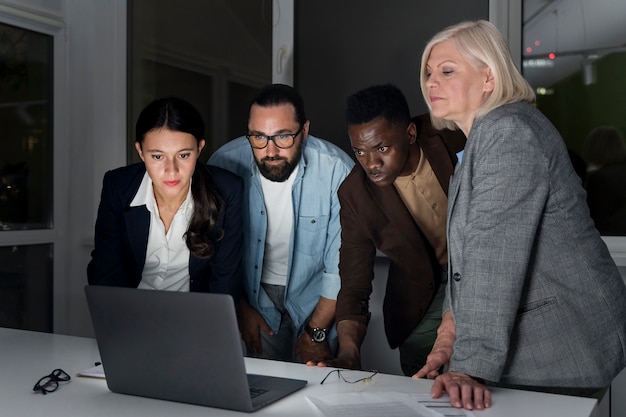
pixel 319 335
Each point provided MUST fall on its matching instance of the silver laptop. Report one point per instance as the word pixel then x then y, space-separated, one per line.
pixel 178 346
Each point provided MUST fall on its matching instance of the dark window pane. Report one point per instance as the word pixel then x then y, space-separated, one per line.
pixel 26 287
pixel 575 58
pixel 210 53
pixel 25 129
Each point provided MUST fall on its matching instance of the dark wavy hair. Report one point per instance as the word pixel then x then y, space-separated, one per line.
pixel 386 101
pixel 177 115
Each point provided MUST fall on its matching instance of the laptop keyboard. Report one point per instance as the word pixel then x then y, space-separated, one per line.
pixel 255 392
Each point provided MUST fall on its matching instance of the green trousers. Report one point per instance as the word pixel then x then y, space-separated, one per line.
pixel 415 349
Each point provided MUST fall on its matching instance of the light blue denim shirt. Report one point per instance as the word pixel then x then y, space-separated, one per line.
pixel 313 268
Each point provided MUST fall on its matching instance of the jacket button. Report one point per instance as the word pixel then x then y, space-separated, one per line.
pixel 456 276
pixel 431 286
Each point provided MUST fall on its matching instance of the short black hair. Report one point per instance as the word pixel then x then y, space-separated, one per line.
pixel 276 94
pixel 384 100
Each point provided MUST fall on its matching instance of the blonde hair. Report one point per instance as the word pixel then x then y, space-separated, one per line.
pixel 482 45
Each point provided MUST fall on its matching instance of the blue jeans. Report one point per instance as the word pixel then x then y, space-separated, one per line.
pixel 281 345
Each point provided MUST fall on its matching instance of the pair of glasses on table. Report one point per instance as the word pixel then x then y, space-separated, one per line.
pixel 341 374
pixel 50 383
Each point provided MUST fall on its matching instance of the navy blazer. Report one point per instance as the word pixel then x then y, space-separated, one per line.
pixel 121 235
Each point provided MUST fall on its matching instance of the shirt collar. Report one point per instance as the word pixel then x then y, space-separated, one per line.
pixel 145 196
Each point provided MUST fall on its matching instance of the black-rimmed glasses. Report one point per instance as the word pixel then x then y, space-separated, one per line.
pixel 365 379
pixel 282 140
pixel 50 383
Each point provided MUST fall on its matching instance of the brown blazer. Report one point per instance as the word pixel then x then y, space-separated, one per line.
pixel 375 217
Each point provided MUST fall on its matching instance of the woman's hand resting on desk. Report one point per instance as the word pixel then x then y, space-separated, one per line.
pixel 464 391
pixel 442 349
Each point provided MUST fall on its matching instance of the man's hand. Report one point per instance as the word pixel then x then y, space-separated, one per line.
pixel 322 317
pixel 350 336
pixel 342 361
pixel 251 323
pixel 309 350
pixel 464 391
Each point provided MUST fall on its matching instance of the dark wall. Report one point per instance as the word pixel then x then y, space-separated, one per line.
pixel 343 46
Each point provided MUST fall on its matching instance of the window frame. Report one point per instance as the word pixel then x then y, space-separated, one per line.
pixel 56 236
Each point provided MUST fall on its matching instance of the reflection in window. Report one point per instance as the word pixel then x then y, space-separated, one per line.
pixel 574 56
pixel 26 287
pixel 604 152
pixel 25 129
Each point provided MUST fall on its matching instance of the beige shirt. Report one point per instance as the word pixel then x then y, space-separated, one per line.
pixel 427 203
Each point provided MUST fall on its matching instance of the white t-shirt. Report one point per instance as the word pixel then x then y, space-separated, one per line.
pixel 279 209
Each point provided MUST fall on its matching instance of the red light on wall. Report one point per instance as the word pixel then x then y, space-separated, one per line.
pixel 551 55
pixel 529 49
pixel 537 43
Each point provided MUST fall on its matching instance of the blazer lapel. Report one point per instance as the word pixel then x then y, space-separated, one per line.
pixel 393 208
pixel 138 226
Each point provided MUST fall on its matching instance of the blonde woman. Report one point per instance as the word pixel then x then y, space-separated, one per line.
pixel 534 299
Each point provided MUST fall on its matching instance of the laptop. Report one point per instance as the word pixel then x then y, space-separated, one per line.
pixel 178 346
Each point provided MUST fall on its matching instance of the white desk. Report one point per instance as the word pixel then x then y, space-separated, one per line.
pixel 27 356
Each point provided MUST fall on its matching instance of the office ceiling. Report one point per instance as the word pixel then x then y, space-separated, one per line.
pixel 574 30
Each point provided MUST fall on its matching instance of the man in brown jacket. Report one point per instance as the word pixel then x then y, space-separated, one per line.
pixel 394 200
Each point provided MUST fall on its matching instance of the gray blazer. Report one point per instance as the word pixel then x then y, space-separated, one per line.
pixel 535 296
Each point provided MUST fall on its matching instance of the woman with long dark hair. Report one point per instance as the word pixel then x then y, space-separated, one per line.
pixel 171 222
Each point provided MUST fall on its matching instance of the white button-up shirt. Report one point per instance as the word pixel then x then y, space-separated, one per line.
pixel 167 255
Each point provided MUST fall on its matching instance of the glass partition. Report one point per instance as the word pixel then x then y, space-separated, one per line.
pixel 25 129
pixel 574 55
pixel 26 287
pixel 214 54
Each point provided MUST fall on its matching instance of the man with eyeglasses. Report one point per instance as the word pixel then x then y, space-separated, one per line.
pixel 291 229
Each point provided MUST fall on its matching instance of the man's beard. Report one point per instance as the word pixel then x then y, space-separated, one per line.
pixel 282 172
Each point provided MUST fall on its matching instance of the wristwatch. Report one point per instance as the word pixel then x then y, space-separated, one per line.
pixel 318 335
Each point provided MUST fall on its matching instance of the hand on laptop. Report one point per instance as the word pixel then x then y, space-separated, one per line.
pixel 250 324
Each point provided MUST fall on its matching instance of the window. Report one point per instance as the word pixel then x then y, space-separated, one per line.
pixel 26 179
pixel 25 129
pixel 574 55
pixel 214 54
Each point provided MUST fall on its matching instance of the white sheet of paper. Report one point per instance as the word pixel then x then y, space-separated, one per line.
pixel 93 372
pixel 389 404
